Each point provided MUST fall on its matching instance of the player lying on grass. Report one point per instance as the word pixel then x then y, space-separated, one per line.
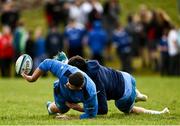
pixel 73 86
pixel 110 85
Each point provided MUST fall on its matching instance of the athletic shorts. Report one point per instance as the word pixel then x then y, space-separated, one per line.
pixel 58 100
pixel 126 103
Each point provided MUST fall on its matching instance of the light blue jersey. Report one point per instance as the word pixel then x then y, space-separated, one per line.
pixel 62 94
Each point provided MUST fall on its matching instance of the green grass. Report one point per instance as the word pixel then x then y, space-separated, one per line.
pixel 22 103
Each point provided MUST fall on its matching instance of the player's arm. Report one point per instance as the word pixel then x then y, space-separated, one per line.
pixel 37 73
pixel 90 107
pixel 45 66
pixel 102 102
pixel 75 106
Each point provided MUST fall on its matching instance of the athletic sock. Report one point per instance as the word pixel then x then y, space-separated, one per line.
pixel 140 97
pixel 166 110
pixel 49 110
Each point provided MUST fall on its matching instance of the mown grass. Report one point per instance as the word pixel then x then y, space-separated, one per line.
pixel 22 103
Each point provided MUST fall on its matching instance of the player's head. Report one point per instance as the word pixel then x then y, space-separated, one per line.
pixel 78 62
pixel 76 81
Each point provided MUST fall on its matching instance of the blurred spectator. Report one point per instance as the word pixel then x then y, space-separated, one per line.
pixel 56 11
pixel 123 43
pixel 145 16
pixel 96 12
pixel 49 11
pixel 136 30
pixel 74 35
pixel 76 13
pixel 97 40
pixel 39 47
pixel 10 15
pixel 164 58
pixel 173 51
pixel 153 40
pixel 54 42
pixel 178 43
pixel 112 10
pixel 29 47
pixel 86 8
pixel 163 22
pixel 6 51
pixel 20 38
pixel 132 29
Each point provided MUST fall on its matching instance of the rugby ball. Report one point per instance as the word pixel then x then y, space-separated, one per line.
pixel 24 64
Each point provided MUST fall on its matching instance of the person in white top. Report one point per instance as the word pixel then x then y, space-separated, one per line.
pixel 173 51
pixel 75 12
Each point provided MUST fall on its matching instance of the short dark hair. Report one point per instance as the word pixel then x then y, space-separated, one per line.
pixel 76 79
pixel 78 62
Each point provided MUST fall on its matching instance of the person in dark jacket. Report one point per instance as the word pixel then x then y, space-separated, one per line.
pixel 10 16
pixel 54 42
pixel 113 85
pixel 29 48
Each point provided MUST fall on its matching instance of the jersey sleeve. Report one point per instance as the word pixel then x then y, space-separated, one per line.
pixel 102 102
pixel 90 104
pixel 90 108
pixel 54 66
pixel 45 65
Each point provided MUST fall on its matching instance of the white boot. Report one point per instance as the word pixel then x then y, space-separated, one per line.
pixel 140 97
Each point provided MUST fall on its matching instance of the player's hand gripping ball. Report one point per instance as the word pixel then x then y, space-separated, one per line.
pixel 24 64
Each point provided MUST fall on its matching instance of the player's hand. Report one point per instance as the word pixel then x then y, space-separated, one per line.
pixel 26 77
pixel 62 116
pixel 23 75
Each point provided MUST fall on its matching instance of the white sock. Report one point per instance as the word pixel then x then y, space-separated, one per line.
pixel 140 97
pixel 166 110
pixel 49 109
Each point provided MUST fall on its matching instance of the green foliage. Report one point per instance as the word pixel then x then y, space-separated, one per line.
pixel 24 103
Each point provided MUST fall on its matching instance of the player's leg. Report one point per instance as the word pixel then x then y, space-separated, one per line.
pixel 57 106
pixel 140 96
pixel 138 110
pixel 61 56
pixel 52 108
pixel 126 103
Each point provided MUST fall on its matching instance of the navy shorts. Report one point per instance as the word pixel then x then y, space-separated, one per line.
pixel 126 103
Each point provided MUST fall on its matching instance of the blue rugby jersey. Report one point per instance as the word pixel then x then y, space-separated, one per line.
pixel 75 35
pixel 122 40
pixel 87 95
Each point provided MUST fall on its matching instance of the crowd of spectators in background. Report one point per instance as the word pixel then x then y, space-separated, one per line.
pixel 73 25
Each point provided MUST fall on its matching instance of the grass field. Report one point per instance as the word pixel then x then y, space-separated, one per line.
pixel 22 103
